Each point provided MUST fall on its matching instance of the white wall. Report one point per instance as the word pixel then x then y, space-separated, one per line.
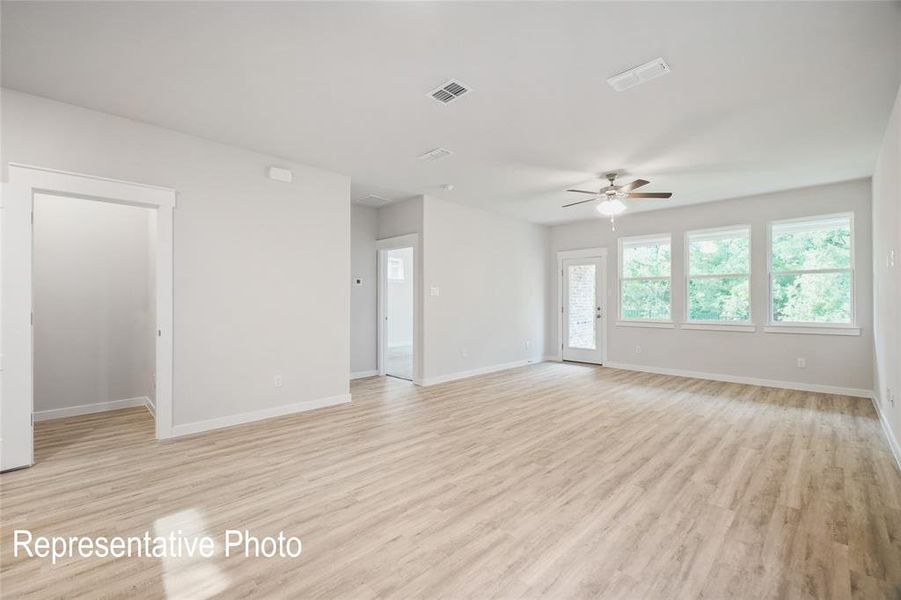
pixel 887 277
pixel 261 268
pixel 93 302
pixel 490 271
pixel 364 298
pixel 400 218
pixel 841 361
pixel 400 300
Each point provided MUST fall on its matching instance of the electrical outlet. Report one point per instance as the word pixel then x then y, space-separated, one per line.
pixel 277 381
pixel 637 349
pixel 463 352
pixel 802 363
pixel 528 344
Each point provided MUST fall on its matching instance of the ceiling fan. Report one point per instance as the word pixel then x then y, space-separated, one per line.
pixel 611 197
pixel 619 192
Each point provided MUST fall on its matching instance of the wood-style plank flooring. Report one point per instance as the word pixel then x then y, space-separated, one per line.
pixel 553 480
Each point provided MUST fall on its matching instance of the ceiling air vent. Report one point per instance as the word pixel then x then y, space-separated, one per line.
pixel 436 154
pixel 373 201
pixel 449 91
pixel 640 74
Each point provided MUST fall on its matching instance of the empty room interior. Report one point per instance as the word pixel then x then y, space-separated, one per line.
pixel 450 300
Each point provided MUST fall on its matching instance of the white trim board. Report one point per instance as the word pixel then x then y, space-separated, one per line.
pixel 480 371
pixel 887 430
pixel 89 409
pixel 258 415
pixel 364 374
pixel 787 385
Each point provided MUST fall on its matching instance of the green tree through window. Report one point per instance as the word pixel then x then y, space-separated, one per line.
pixel 811 270
pixel 719 275
pixel 645 279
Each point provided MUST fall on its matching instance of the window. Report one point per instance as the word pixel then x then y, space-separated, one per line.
pixel 644 271
pixel 395 269
pixel 719 267
pixel 811 273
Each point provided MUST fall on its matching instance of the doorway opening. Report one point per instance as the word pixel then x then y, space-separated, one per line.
pixel 94 304
pixel 399 313
pixel 398 310
pixel 27 187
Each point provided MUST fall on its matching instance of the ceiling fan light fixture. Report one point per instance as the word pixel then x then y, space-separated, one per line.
pixel 611 208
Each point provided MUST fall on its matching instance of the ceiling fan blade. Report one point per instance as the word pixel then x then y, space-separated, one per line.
pixel 631 186
pixel 650 195
pixel 583 192
pixel 579 202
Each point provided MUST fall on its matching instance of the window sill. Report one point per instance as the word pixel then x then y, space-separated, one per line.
pixel 813 329
pixel 720 327
pixel 652 324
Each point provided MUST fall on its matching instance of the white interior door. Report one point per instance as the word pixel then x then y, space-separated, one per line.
pixel 584 309
pixel 16 433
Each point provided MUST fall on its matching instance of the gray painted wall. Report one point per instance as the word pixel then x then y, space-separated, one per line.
pixel 841 361
pixel 887 277
pixel 490 270
pixel 261 267
pixel 364 298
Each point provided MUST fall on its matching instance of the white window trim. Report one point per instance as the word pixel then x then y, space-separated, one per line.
pixel 637 240
pixel 811 327
pixel 746 325
pixel 646 323
pixel 738 326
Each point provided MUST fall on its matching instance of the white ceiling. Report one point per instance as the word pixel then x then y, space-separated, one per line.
pixel 762 96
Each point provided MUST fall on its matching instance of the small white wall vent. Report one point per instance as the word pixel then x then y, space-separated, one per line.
pixel 448 92
pixel 436 154
pixel 373 201
pixel 638 75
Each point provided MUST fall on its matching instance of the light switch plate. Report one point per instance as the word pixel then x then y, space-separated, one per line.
pixel 434 291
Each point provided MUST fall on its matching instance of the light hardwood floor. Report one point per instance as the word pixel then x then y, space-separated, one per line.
pixel 553 480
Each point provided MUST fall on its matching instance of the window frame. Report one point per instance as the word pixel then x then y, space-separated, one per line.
pixel 726 325
pixel 774 326
pixel 637 240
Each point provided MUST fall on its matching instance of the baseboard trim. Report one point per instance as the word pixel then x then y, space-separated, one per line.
pixel 88 409
pixel 151 407
pixel 257 415
pixel 552 358
pixel 887 430
pixel 788 385
pixel 475 372
pixel 363 374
